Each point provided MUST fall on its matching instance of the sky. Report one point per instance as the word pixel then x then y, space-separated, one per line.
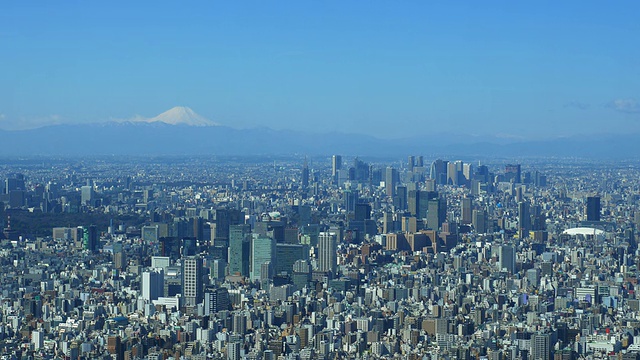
pixel 396 69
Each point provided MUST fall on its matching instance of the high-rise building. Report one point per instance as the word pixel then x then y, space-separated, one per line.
pixel 593 208
pixel 467 173
pixel 513 173
pixel 336 165
pixel 411 162
pixel 287 255
pixel 507 258
pixel 467 207
pixel 455 173
pixel 86 195
pixel 541 346
pixel 362 212
pixel 437 213
pixel 152 284
pixel 192 284
pixel 524 220
pixel 390 181
pixel 91 239
pixel 263 250
pixel 224 218
pixel 305 175
pixel 327 252
pixel 438 171
pixel 233 350
pixel 479 221
pixel 418 202
pixel 239 249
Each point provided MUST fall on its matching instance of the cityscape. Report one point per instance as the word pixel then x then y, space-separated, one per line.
pixel 318 258
pixel 319 180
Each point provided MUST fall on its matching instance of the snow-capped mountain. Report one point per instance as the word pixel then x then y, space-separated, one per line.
pixel 179 115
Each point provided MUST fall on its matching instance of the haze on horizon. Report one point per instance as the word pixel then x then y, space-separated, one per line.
pixel 485 68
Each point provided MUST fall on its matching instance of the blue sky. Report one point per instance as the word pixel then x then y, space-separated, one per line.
pixel 390 69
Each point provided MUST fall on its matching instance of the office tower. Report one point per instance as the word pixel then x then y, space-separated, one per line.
pixel 388 224
pixel 91 239
pixel 86 195
pixel 239 249
pixel 287 255
pixel 188 246
pixel 224 218
pixel 192 280
pixel 390 181
pixel 454 173
pixel 513 173
pixel 37 339
pixel 400 200
pixel 467 172
pixel 524 220
pixel 305 174
pixel 411 162
pixel 479 221
pixel 327 252
pixel 420 161
pixel 593 208
pixel 541 346
pixel 263 249
pixel 467 206
pixel 481 174
pixel 437 213
pixel 336 166
pixel 350 198
pixel 413 201
pixel 421 207
pixel 152 284
pixel 438 171
pixel 507 258
pixel 291 235
pixel 233 350
pixel 362 212
pixel 14 181
pixel 539 179
pixel 360 171
pixel 216 300
pixel 119 257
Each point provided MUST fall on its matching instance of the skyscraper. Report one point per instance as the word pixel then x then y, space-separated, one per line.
pixel 239 249
pixel 390 181
pixel 467 206
pixel 439 171
pixel 524 220
pixel 192 285
pixel 152 284
pixel 91 239
pixel 513 173
pixel 305 175
pixel 86 195
pixel 263 250
pixel 593 208
pixel 479 220
pixel 507 258
pixel 327 248
pixel 336 165
pixel 437 213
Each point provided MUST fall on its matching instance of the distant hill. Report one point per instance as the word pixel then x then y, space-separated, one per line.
pixel 198 136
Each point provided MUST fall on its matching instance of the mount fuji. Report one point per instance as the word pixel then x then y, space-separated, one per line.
pixel 179 115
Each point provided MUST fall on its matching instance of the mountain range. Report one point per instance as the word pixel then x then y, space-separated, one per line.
pixel 181 131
